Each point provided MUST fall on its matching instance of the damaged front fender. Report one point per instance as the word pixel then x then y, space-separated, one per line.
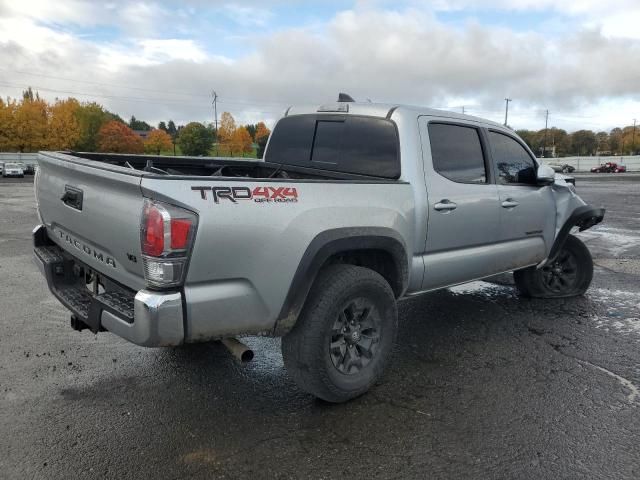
pixel 571 211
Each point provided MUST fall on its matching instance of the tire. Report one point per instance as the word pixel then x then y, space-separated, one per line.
pixel 569 276
pixel 324 360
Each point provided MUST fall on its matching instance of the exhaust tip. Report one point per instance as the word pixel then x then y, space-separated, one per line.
pixel 246 356
pixel 239 350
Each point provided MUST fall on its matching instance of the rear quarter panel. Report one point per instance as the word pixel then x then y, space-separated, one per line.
pixel 246 253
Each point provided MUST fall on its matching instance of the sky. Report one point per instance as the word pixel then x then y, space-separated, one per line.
pixel 160 60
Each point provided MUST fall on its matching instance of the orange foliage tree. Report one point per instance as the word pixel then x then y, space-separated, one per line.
pixel 241 141
pixel 262 131
pixel 262 136
pixel 156 141
pixel 64 128
pixel 227 129
pixel 7 125
pixel 116 137
pixel 31 124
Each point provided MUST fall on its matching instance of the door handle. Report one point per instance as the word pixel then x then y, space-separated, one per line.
pixel 445 205
pixel 509 203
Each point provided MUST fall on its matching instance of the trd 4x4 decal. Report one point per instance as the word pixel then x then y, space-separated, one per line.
pixel 257 194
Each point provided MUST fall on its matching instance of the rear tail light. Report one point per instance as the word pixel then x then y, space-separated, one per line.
pixel 166 235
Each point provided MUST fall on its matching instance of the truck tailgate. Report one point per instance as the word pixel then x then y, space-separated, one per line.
pixel 93 211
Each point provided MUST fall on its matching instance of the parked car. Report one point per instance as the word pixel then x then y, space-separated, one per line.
pixel 13 170
pixel 562 168
pixel 609 167
pixel 354 207
pixel 29 169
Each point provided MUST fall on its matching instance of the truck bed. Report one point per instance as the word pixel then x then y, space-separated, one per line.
pixel 229 167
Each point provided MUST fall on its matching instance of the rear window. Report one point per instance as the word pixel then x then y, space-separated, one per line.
pixel 340 143
pixel 457 153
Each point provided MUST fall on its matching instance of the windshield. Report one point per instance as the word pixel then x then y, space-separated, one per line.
pixel 12 165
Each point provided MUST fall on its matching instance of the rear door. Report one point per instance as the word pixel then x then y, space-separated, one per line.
pixel 464 212
pixel 527 210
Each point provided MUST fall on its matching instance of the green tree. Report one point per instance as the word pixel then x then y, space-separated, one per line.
pixel 91 116
pixel 171 129
pixel 615 141
pixel 583 142
pixel 194 139
pixel 163 126
pixel 251 128
pixel 603 141
pixel 135 124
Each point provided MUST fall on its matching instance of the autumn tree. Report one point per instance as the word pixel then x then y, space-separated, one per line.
pixel 261 138
pixel 240 142
pixel 7 125
pixel 64 128
pixel 227 129
pixel 194 139
pixel 157 140
pixel 116 137
pixel 30 123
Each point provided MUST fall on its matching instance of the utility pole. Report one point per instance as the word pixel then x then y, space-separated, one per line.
pixel 633 141
pixel 506 110
pixel 463 109
pixel 214 102
pixel 544 144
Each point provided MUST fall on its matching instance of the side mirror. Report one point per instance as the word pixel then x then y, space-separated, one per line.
pixel 545 175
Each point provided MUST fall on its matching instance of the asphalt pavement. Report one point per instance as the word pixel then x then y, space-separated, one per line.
pixel 483 383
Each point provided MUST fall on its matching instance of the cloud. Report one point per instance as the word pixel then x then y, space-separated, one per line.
pixel 248 16
pixel 371 51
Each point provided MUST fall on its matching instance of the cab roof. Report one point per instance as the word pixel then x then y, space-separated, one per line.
pixel 384 110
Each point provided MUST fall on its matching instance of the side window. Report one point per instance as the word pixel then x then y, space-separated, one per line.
pixel 513 163
pixel 457 153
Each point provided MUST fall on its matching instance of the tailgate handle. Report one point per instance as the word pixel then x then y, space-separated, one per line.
pixel 72 197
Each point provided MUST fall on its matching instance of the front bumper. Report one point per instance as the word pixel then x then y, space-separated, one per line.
pixel 147 318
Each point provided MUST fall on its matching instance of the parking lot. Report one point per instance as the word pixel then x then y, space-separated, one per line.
pixel 483 383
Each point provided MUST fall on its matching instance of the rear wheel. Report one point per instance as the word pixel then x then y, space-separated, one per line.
pixel 344 335
pixel 569 275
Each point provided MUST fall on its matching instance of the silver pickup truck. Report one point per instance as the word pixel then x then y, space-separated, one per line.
pixel 354 207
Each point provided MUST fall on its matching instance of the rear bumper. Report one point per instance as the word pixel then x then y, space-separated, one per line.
pixel 146 317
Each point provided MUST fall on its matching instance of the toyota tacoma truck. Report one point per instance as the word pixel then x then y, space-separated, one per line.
pixel 354 207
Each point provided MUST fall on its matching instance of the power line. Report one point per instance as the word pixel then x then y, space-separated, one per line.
pixel 128 87
pixel 157 101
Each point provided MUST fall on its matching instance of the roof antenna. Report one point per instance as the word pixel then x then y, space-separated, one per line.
pixel 343 97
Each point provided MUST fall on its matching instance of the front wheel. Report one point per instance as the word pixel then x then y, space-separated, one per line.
pixel 344 335
pixel 569 275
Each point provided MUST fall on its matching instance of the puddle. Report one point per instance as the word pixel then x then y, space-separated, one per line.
pixel 622 310
pixel 618 240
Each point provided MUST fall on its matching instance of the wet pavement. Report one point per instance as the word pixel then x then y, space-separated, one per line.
pixel 483 384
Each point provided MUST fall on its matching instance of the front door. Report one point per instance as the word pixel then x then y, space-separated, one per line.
pixel 527 210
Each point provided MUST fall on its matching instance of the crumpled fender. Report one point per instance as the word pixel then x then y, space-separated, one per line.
pixel 571 211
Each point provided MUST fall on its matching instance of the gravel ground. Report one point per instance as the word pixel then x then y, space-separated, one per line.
pixel 483 384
